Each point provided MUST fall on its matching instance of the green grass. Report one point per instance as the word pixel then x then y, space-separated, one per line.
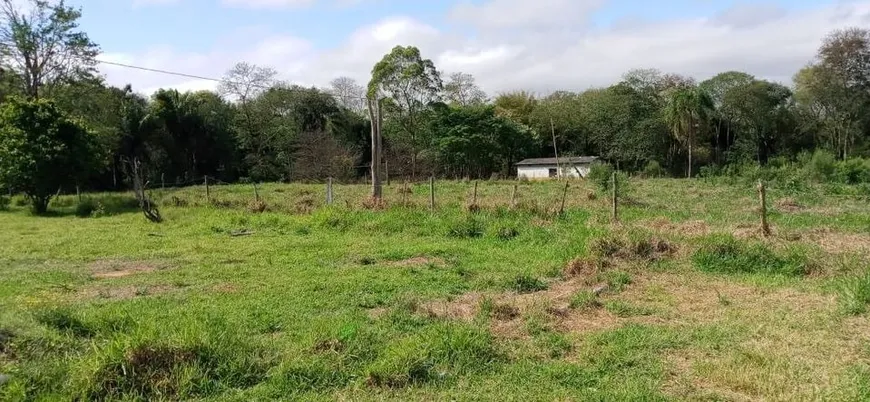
pixel 305 301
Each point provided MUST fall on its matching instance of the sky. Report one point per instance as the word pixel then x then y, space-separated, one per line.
pixel 534 45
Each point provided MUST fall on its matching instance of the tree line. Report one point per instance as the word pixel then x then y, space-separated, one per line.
pixel 62 125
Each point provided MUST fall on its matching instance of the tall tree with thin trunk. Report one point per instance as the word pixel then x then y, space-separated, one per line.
pixel 349 94
pixel 687 113
pixel 44 45
pixel 461 89
pixel 411 83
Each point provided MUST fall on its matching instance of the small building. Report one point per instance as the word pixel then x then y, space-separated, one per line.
pixel 544 168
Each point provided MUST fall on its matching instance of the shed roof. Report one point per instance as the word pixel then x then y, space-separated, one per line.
pixel 573 160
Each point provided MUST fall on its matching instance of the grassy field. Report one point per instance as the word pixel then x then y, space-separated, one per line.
pixel 682 300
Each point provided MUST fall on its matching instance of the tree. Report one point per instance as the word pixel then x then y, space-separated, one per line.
pixel 41 150
pixel 349 94
pixel 44 45
pixel 718 87
pixel 761 110
pixel 474 141
pixel 462 90
pixel 687 113
pixel 411 84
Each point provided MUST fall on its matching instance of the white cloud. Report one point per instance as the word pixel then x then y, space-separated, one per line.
pixel 267 3
pixel 773 47
pixel 526 13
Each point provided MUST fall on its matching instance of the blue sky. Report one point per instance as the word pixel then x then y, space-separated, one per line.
pixel 506 43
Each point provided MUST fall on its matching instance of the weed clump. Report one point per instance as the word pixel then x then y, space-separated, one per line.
pixel 854 294
pixel 434 354
pixel 90 208
pixel 159 371
pixel 727 255
pixel 582 267
pixel 469 228
pixel 6 338
pixel 526 283
pixel 584 300
pixel 257 206
pixel 507 233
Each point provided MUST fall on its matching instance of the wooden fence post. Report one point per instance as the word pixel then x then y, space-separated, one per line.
pixel 207 193
pixel 256 192
pixel 564 195
pixel 162 181
pixel 474 197
pixel 432 193
pixel 762 195
pixel 615 195
pixel 78 194
pixel 514 197
pixel 405 194
pixel 329 191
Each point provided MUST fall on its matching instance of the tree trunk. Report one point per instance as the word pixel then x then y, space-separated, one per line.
pixel 690 160
pixel 375 165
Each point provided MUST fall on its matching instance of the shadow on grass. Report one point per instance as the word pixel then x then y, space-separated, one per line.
pixel 92 206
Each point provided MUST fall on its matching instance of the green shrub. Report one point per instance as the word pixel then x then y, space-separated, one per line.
pixel 653 169
pixel 725 254
pixel 854 294
pixel 88 208
pixel 602 175
pixel 853 171
pixel 4 203
pixel 526 283
pixel 822 165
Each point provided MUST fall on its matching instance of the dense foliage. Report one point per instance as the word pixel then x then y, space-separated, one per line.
pixel 255 127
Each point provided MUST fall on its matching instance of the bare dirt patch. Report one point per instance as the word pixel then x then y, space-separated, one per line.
pixel 788 205
pixel 225 288
pixel 419 261
pixel 684 299
pixel 123 292
pixel 687 228
pixel 107 269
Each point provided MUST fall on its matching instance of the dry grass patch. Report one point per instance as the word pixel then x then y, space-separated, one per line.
pixel 107 269
pixel 419 261
pixel 123 292
pixel 688 228
pixel 838 242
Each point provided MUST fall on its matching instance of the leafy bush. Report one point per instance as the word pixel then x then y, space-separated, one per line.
pixel 725 254
pixel 855 294
pixel 86 208
pixel 653 169
pixel 822 165
pixel 600 173
pixel 853 171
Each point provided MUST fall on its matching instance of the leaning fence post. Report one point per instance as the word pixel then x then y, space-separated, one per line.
pixel 432 193
pixel 514 197
pixel 615 195
pixel 329 191
pixel 474 197
pixel 207 192
pixel 762 195
pixel 564 195
pixel 256 192
pixel 387 171
pixel 405 194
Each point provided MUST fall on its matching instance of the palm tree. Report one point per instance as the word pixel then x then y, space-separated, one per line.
pixel 687 113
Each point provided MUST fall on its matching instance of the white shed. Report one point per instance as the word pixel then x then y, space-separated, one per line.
pixel 544 168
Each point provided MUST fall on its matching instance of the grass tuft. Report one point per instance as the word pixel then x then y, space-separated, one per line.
pixel 525 283
pixel 854 294
pixel 584 300
pixel 727 255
